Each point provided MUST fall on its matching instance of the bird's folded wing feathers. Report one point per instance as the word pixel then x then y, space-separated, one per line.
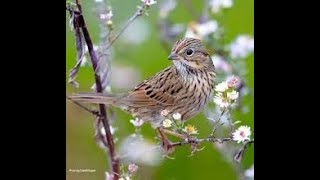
pixel 156 90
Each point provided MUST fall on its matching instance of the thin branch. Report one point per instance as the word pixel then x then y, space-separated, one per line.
pixel 188 140
pixel 109 34
pixel 231 124
pixel 114 161
pixel 192 141
pixel 217 123
pixel 196 140
pixel 138 13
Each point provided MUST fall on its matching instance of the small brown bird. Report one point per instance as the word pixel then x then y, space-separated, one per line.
pixel 183 87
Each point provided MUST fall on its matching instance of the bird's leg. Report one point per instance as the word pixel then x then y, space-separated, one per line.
pixel 165 142
pixel 193 142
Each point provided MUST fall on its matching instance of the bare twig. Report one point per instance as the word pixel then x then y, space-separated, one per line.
pixel 194 141
pixel 231 124
pixel 109 35
pixel 217 123
pixel 138 13
pixel 114 161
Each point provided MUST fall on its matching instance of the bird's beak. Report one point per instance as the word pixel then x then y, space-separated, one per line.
pixel 173 56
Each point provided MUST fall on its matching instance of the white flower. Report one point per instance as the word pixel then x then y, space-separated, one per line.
pixel 217 5
pixel 137 122
pixel 232 82
pixel 222 87
pixel 241 134
pixel 106 16
pixel 207 28
pixel 167 123
pixel 232 95
pixel 189 129
pixel 220 101
pixel 176 116
pixel 164 112
pixel 132 168
pixel 241 47
pixel 220 63
pixel 149 2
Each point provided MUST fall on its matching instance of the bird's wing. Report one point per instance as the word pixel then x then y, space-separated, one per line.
pixel 160 89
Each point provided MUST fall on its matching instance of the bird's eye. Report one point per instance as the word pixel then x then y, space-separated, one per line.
pixel 189 52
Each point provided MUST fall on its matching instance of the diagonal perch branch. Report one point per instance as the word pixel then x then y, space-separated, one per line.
pixel 187 140
pixel 113 160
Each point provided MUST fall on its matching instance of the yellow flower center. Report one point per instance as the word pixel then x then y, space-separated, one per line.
pixel 190 128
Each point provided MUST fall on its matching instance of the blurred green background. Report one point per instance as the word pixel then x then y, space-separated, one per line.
pixel 144 60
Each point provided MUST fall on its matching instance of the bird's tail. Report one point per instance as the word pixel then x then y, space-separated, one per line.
pixel 95 98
